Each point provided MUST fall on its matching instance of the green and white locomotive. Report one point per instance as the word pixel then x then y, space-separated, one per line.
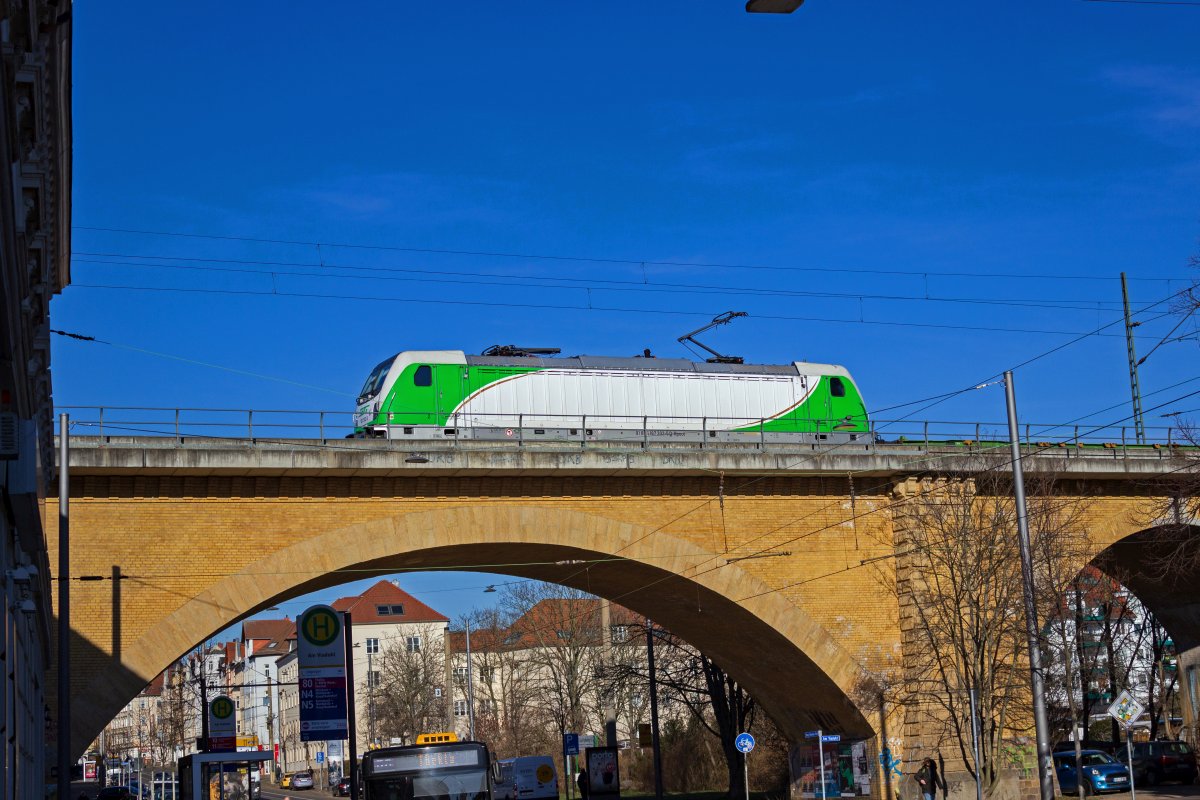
pixel 521 394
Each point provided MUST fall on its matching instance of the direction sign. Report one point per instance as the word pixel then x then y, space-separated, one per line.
pixel 322 666
pixel 744 742
pixel 1126 709
pixel 222 725
pixel 831 737
pixel 571 744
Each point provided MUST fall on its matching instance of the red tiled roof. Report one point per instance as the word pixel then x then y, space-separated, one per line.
pixel 538 626
pixel 266 630
pixel 155 687
pixel 363 609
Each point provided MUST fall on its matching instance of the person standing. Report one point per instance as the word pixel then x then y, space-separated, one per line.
pixel 929 780
pixel 581 781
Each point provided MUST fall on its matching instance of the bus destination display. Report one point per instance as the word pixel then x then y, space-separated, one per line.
pixel 434 758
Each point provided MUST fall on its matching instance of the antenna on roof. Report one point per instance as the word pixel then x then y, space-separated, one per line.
pixel 512 351
pixel 720 319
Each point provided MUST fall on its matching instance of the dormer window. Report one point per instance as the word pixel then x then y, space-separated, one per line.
pixel 390 611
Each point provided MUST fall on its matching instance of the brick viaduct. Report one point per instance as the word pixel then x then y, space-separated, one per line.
pixel 780 565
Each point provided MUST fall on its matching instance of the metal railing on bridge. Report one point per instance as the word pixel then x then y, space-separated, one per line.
pixel 520 430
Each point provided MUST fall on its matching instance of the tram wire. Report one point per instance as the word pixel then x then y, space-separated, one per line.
pixel 633 262
pixel 502 279
pixel 568 307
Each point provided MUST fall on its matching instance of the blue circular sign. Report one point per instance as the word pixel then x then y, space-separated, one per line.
pixel 744 742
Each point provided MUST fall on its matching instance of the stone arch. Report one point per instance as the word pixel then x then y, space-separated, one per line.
pixel 799 673
pixel 1140 561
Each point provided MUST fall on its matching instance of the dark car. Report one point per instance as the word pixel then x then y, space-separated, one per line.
pixel 1099 772
pixel 1155 762
pixel 343 787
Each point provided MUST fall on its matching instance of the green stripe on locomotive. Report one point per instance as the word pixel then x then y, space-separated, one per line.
pixel 451 384
pixel 821 411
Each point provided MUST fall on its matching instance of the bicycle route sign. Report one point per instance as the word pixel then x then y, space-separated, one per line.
pixel 744 742
pixel 322 666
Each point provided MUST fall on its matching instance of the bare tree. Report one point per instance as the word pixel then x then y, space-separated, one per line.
pixel 559 629
pixel 716 701
pixel 964 583
pixel 410 668
pixel 508 711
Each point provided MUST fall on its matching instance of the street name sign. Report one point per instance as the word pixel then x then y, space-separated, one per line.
pixel 322 665
pixel 1125 709
pixel 831 737
pixel 222 725
pixel 744 742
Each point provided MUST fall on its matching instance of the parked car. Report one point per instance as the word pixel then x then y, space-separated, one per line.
pixel 286 781
pixel 302 780
pixel 343 787
pixel 1155 762
pixel 1099 772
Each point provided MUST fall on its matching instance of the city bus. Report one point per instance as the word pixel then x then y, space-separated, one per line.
pixel 445 770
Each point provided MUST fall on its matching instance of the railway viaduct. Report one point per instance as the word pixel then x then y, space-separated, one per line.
pixel 787 566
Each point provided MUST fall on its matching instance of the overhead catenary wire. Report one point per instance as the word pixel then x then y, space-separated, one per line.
pixel 568 307
pixel 327 271
pixel 633 262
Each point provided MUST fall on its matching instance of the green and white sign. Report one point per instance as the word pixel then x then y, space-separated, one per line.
pixel 322 664
pixel 222 725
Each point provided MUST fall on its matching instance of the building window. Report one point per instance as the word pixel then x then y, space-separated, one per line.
pixel 485 674
pixel 413 644
pixel 372 647
pixel 266 702
pixel 620 633
pixel 373 679
pixel 460 673
pixel 460 708
pixel 563 634
pixel 396 610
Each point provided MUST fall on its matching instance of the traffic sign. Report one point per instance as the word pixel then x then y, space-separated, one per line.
pixel 744 742
pixel 811 734
pixel 571 744
pixel 222 725
pixel 831 737
pixel 1126 709
pixel 320 757
pixel 322 666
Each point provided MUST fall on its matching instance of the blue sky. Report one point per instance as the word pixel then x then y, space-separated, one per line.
pixel 868 139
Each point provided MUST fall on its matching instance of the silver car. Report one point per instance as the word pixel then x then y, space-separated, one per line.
pixel 302 780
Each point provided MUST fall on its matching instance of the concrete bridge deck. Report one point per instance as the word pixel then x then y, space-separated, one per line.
pixel 199 456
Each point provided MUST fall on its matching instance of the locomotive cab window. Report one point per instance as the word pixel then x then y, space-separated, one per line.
pixel 423 376
pixel 836 387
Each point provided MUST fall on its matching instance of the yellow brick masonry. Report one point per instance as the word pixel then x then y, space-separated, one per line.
pixel 797 565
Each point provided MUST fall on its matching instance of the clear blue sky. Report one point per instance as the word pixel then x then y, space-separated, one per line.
pixel 1036 138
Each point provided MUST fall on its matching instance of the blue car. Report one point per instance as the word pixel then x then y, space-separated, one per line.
pixel 1101 773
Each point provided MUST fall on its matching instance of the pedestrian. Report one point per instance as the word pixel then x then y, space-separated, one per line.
pixel 929 780
pixel 582 782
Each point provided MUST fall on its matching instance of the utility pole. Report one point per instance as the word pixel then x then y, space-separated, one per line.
pixel 64 607
pixel 351 705
pixel 610 713
pixel 1139 422
pixel 1041 726
pixel 470 689
pixel 658 781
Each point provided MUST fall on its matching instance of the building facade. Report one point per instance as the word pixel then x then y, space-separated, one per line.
pixel 35 231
